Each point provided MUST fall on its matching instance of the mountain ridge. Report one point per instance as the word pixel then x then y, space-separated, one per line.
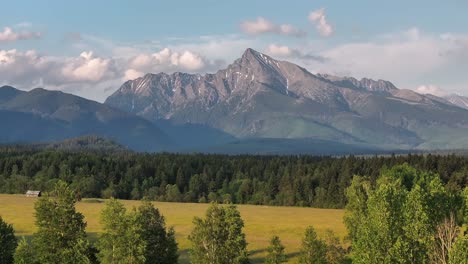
pixel 259 97
pixel 43 116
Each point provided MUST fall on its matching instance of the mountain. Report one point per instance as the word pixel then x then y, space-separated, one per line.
pixel 44 116
pixel 258 97
pixel 8 92
pixel 454 99
pixel 458 100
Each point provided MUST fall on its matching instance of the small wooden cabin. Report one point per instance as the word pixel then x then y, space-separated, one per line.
pixel 30 193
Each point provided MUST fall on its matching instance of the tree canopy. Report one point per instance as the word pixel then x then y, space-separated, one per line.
pixel 218 238
pixel 268 180
pixel 395 220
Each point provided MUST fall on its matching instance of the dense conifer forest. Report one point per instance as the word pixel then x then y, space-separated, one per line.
pixel 269 180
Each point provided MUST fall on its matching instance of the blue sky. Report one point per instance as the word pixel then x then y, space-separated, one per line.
pixel 90 47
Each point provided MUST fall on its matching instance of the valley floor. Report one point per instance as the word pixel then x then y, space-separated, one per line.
pixel 261 222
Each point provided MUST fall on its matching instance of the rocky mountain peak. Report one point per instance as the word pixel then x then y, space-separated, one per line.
pixel 366 84
pixel 254 58
pixel 258 96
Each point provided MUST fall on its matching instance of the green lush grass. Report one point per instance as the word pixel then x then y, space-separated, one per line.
pixel 261 222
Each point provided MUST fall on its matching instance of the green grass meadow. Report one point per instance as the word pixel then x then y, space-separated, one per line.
pixel 261 222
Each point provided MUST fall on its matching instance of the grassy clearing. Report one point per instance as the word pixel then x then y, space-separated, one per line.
pixel 261 222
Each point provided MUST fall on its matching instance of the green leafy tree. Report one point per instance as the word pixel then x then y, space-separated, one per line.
pixel 160 244
pixel 313 250
pixel 60 236
pixel 120 241
pixel 218 239
pixel 275 252
pixel 8 242
pixel 459 252
pixel 24 253
pixel 396 221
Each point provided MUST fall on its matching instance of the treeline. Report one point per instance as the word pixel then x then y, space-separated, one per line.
pixel 406 216
pixel 268 180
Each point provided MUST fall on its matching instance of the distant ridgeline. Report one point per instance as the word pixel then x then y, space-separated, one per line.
pixel 269 180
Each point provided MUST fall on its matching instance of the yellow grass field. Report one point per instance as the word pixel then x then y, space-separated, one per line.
pixel 261 222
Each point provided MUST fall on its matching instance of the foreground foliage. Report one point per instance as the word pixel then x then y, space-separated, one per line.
pixel 60 236
pixel 140 236
pixel 218 238
pixel 397 219
pixel 8 242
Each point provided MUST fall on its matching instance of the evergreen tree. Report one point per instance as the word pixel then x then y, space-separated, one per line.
pixel 172 249
pixel 60 236
pixel 275 252
pixel 8 242
pixel 336 254
pixel 160 244
pixel 120 241
pixel 218 239
pixel 313 250
pixel 24 253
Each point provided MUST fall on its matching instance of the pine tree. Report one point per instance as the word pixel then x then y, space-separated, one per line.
pixel 160 244
pixel 313 249
pixel 8 242
pixel 275 252
pixel 172 249
pixel 60 236
pixel 336 254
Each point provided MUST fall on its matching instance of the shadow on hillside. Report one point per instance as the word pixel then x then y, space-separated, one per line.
pixel 258 255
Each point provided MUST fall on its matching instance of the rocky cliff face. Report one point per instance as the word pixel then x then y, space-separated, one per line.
pixel 260 97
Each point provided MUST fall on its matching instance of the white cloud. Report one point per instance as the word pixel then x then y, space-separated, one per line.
pixel 90 75
pixel 9 35
pixel 168 60
pixel 280 51
pixel 82 74
pixel 87 68
pixel 319 18
pixel 407 58
pixel 292 53
pixel 132 74
pixel 191 61
pixel 263 26
pixel 431 89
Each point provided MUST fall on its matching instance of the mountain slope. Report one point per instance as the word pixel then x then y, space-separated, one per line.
pixel 259 97
pixel 458 100
pixel 41 115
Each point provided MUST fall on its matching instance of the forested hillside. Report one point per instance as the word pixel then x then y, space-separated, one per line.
pixel 270 180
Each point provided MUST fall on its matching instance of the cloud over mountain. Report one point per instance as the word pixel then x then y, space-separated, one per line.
pixel 431 89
